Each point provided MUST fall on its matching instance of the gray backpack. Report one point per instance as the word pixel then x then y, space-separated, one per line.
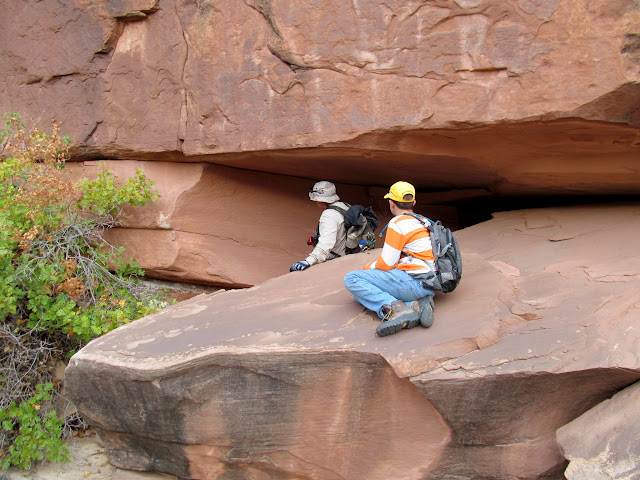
pixel 360 224
pixel 446 253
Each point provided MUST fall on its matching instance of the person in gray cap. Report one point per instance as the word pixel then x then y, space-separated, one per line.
pixel 330 239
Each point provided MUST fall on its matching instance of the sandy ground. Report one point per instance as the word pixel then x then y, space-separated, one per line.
pixel 87 462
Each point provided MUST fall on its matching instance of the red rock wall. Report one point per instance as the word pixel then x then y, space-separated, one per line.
pixel 208 77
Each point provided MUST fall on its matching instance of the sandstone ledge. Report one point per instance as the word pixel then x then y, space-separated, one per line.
pixel 287 379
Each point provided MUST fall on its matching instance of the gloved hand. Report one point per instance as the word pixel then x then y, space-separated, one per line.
pixel 299 266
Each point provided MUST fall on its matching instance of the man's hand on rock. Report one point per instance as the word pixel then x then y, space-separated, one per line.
pixel 299 266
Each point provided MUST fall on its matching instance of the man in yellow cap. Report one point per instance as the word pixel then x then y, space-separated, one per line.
pixel 394 278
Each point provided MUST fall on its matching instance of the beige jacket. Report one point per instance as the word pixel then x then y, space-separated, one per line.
pixel 332 240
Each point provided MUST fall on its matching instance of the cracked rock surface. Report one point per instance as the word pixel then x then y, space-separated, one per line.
pixel 288 380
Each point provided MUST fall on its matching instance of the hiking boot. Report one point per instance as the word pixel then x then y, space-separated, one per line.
pixel 397 316
pixel 424 309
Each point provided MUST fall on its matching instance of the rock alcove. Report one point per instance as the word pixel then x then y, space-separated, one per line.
pixel 462 175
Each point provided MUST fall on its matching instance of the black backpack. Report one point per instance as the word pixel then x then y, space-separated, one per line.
pixel 447 254
pixel 360 223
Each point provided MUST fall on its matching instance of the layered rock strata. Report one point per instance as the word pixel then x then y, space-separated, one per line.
pixel 287 379
pixel 163 78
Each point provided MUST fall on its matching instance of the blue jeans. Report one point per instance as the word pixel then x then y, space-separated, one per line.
pixel 375 288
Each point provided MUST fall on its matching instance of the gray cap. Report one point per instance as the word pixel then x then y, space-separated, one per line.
pixel 324 192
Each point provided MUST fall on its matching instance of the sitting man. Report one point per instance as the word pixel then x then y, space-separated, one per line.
pixel 331 237
pixel 394 278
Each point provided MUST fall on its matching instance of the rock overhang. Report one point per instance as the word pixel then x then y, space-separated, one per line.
pixel 570 156
pixel 281 83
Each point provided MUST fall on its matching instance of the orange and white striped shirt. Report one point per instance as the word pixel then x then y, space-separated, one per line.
pixel 407 246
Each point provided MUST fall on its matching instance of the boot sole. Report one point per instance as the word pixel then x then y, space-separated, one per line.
pixel 426 312
pixel 394 326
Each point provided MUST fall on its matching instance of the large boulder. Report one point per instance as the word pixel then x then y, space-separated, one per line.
pixel 603 443
pixel 288 380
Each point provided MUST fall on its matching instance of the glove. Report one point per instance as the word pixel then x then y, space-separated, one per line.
pixel 299 266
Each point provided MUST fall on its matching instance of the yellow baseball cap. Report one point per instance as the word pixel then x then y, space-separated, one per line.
pixel 401 192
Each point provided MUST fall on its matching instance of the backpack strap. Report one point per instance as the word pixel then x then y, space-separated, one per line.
pixel 339 209
pixel 417 216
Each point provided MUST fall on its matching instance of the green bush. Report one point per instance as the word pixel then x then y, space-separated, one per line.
pixel 39 435
pixel 61 282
